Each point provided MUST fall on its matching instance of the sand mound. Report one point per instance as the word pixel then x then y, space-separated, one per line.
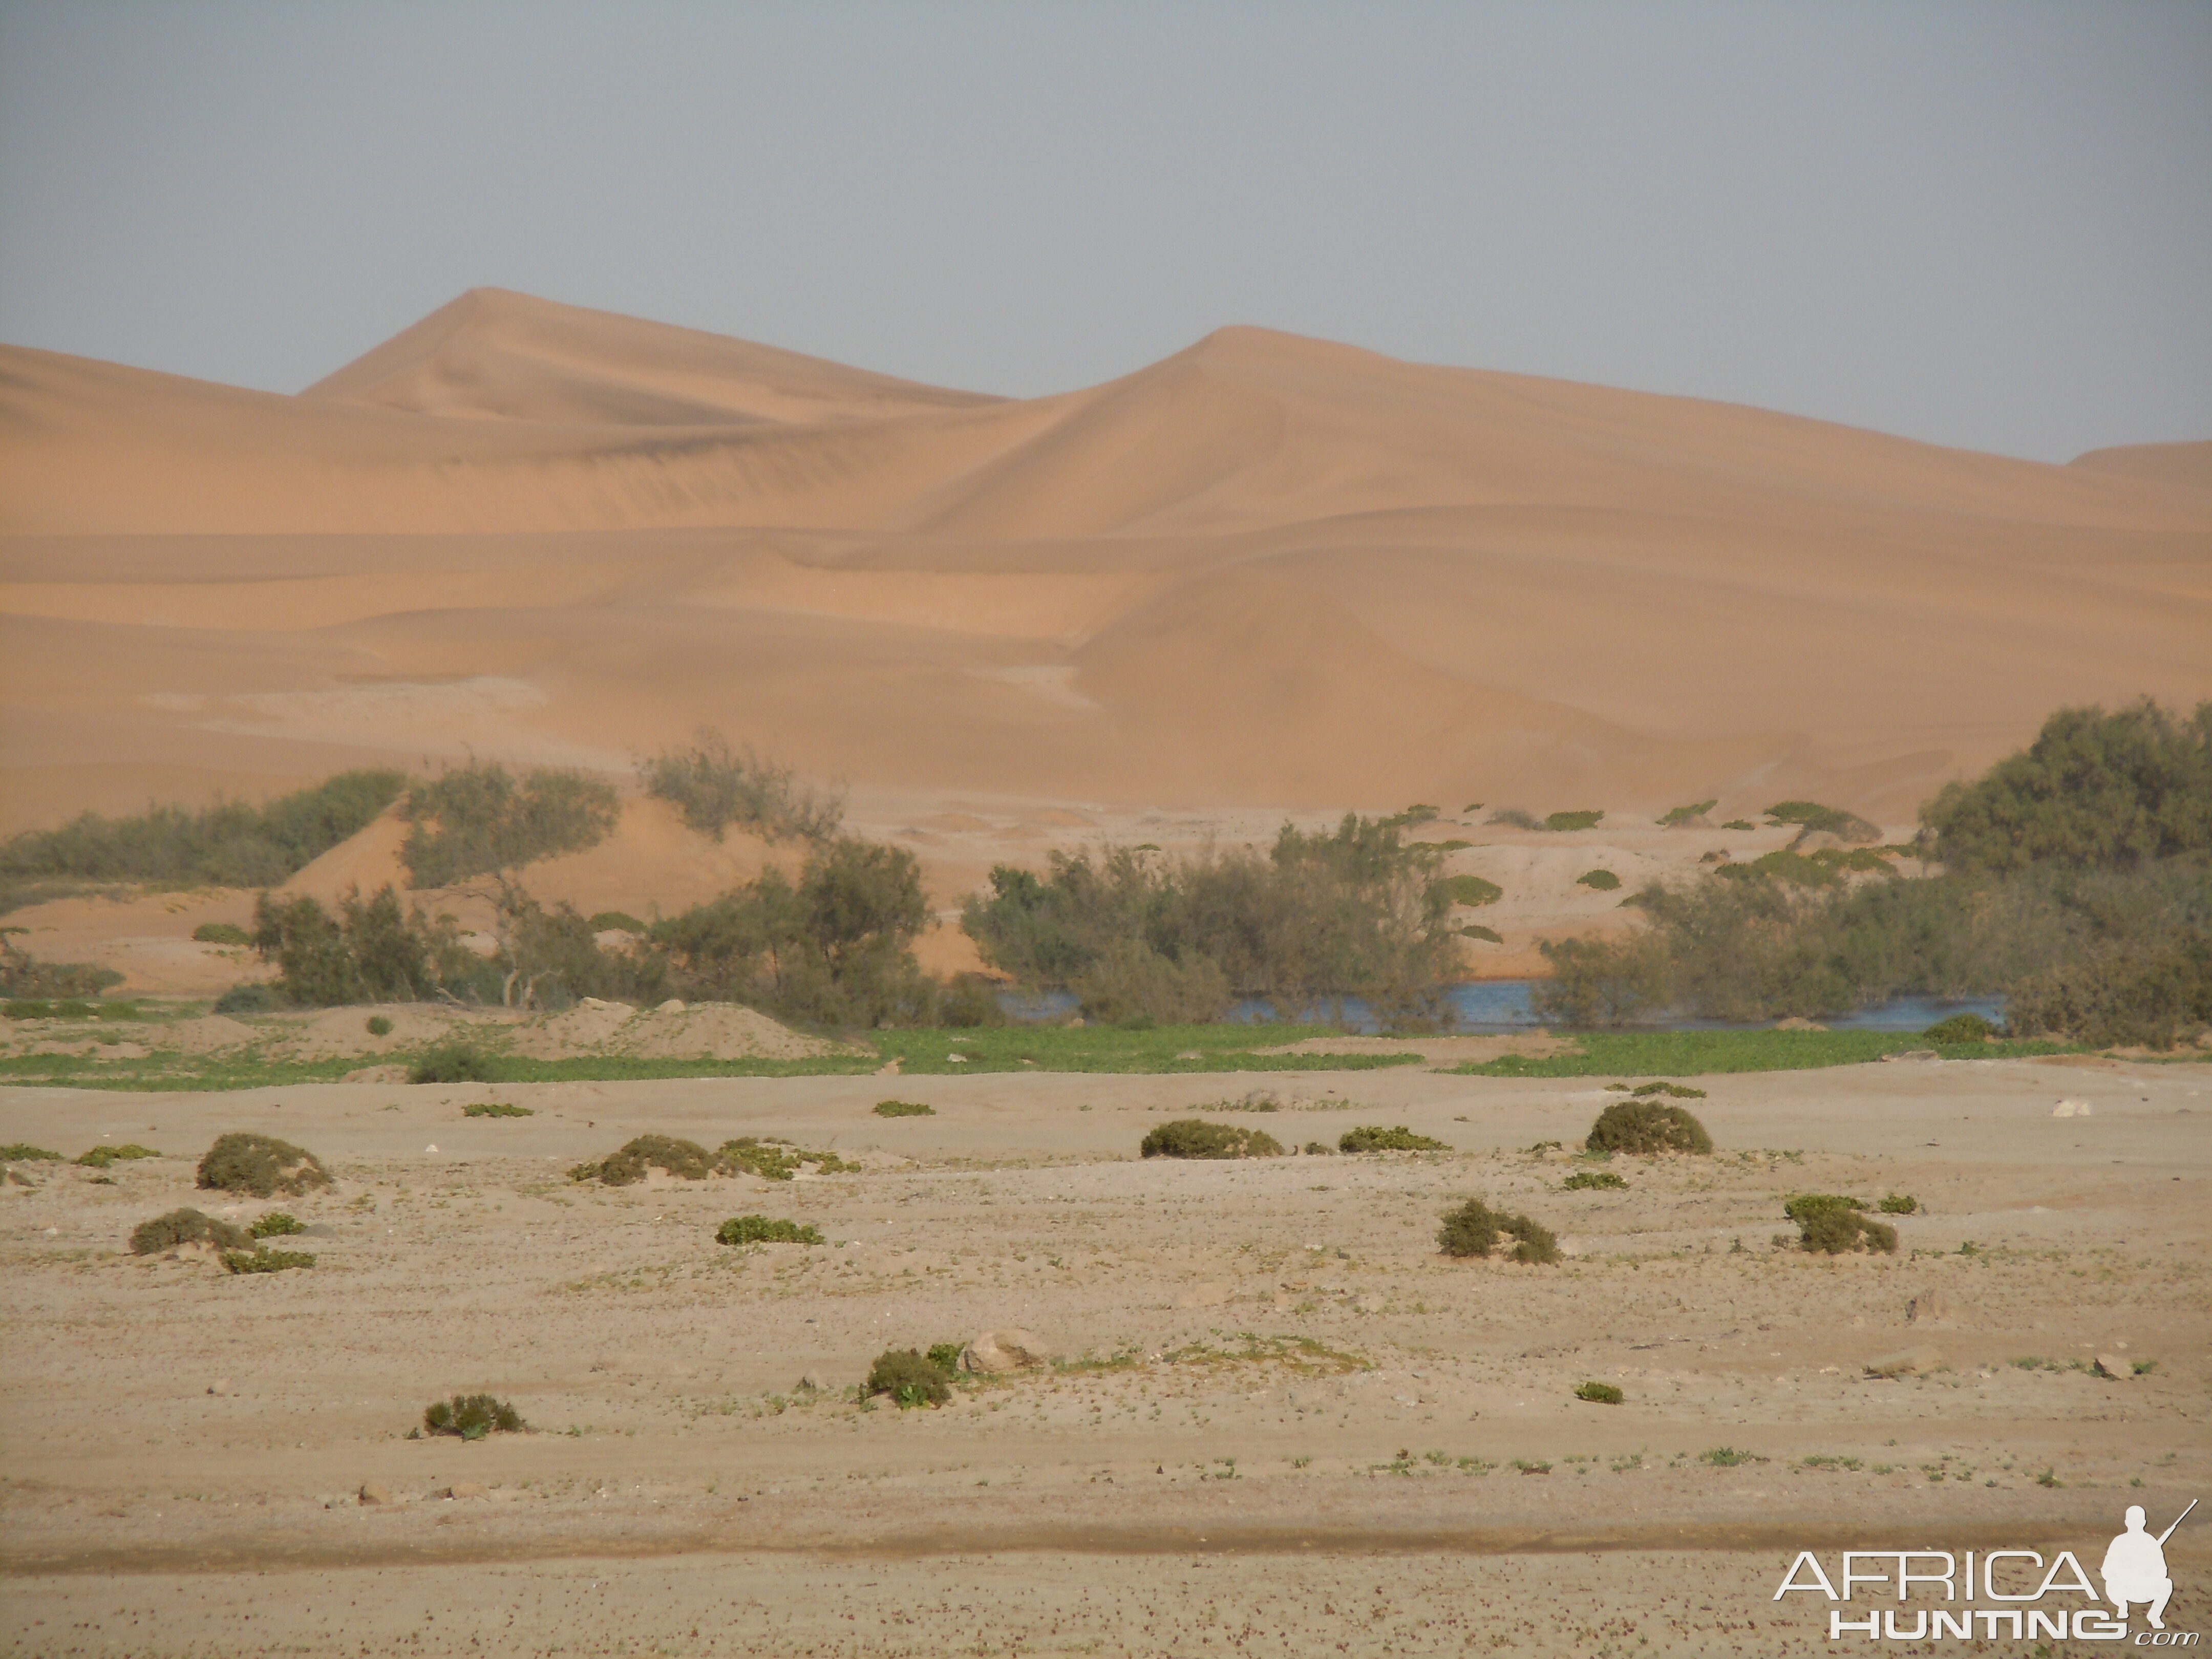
pixel 710 1030
pixel 337 1031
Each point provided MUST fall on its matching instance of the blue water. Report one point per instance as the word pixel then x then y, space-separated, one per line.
pixel 1502 1004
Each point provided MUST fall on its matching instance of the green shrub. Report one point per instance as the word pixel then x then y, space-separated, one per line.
pixel 379 1025
pixel 1676 816
pixel 1729 1457
pixel 1599 1394
pixel 1644 1127
pixel 1588 1180
pixel 187 1226
pixel 1829 1223
pixel 23 975
pixel 472 1417
pixel 1960 1027
pixel 2152 990
pixel 1813 818
pixel 603 921
pixel 370 951
pixel 454 1060
pixel 222 932
pixel 278 1224
pixel 1672 1090
pixel 1319 1149
pixel 1900 1204
pixel 908 1377
pixel 686 1160
pixel 1739 824
pixel 496 1109
pixel 712 786
pixel 1599 881
pixel 1491 935
pixel 99 1157
pixel 945 1356
pixel 1474 1229
pixel 764 1230
pixel 1373 1138
pixel 1471 891
pixel 1571 821
pixel 229 844
pixel 969 1002
pixel 251 998
pixel 904 1108
pixel 1193 1137
pixel 1513 817
pixel 1131 985
pixel 266 1261
pixel 21 1152
pixel 479 818
pixel 261 1166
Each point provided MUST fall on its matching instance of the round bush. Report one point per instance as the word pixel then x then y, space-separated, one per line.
pixel 1474 1229
pixel 1193 1137
pixel 1960 1027
pixel 1829 1223
pixel 261 1166
pixel 454 1061
pixel 908 1377
pixel 766 1229
pixel 1599 881
pixel 472 1416
pixel 1599 1394
pixel 1645 1127
pixel 253 998
pixel 187 1226
pixel 687 1160
pixel 1372 1138
pixel 1589 1180
pixel 904 1108
pixel 378 1026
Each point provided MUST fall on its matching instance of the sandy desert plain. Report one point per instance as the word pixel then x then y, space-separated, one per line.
pixel 1267 578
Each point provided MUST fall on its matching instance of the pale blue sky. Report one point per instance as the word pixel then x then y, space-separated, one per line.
pixel 1982 224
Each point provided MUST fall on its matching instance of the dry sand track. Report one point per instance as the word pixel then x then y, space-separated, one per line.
pixel 185 1448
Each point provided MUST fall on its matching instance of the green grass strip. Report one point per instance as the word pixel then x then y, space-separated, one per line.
pixel 1692 1054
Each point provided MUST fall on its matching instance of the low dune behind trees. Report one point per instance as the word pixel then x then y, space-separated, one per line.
pixel 1265 572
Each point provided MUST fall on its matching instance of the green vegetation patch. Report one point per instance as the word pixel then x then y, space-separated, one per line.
pixel 777 1160
pixel 496 1109
pixel 21 1152
pixel 99 1157
pixel 1599 881
pixel 377 1026
pixel 1672 1090
pixel 714 786
pixel 1563 822
pixel 222 932
pixel 479 818
pixel 686 1160
pixel 472 1417
pixel 1813 818
pixel 908 1375
pixel 1593 1181
pixel 1899 1204
pixel 767 1230
pixel 1644 1128
pixel 278 1224
pixel 187 1226
pixel 455 1060
pixel 1193 1137
pixel 1675 817
pixel 1694 1053
pixel 1960 1027
pixel 602 922
pixel 1474 1229
pixel 261 1166
pixel 253 997
pixel 904 1108
pixel 1104 1048
pixel 266 1261
pixel 1739 824
pixel 1488 935
pixel 1599 1394
pixel 1829 1223
pixel 1471 891
pixel 1373 1138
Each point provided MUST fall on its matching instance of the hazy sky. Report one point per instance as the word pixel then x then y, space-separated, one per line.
pixel 1986 225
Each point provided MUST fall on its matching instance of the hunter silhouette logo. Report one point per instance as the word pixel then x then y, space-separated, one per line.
pixel 2032 1596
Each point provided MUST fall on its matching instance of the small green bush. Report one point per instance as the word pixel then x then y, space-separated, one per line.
pixel 1829 1223
pixel 1676 816
pixel 480 818
pixel 1900 1204
pixel 187 1226
pixel 278 1224
pixel 1473 891
pixel 687 1160
pixel 603 921
pixel 1193 1137
pixel 261 1166
pixel 1813 818
pixel 969 1002
pixel 908 1377
pixel 1644 1127
pixel 776 1160
pixel 1599 1394
pixel 1739 824
pixel 1672 1090
pixel 21 1152
pixel 455 1060
pixel 904 1108
pixel 266 1261
pixel 945 1356
pixel 1319 1149
pixel 713 786
pixel 1513 817
pixel 1960 1027
pixel 251 998
pixel 222 932
pixel 1373 1138
pixel 1474 1229
pixel 496 1109
pixel 1599 881
pixel 1569 821
pixel 1490 935
pixel 1593 1180
pixel 472 1416
pixel 1729 1457
pixel 101 1156
pixel 766 1229
pixel 379 1025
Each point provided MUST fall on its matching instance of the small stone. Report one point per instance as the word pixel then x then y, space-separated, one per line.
pixel 430 1149
pixel 1009 1350
pixel 1905 1362
pixel 2072 1109
pixel 2111 1366
pixel 374 1493
pixel 219 1386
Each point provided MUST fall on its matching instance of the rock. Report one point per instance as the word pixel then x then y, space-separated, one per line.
pixel 373 1493
pixel 673 1005
pixel 1932 1308
pixel 1795 1024
pixel 1008 1350
pixel 2072 1109
pixel 465 1489
pixel 2114 1367
pixel 219 1386
pixel 1905 1362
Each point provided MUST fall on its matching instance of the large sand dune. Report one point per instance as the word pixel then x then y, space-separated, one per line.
pixel 1267 571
